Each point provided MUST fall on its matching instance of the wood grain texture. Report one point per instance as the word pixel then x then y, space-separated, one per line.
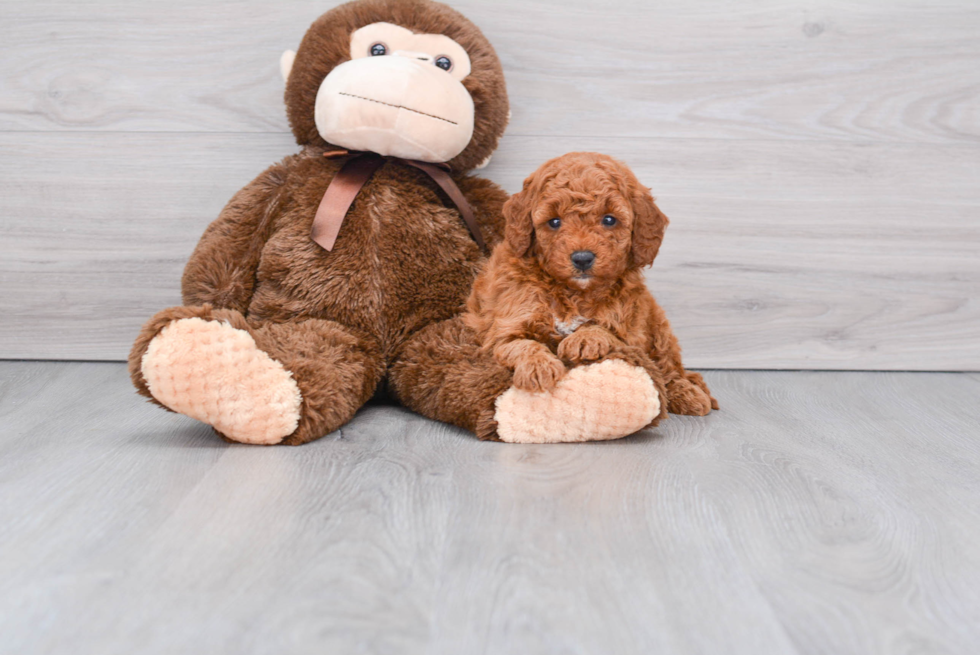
pixel 816 513
pixel 776 257
pixel 781 69
pixel 820 163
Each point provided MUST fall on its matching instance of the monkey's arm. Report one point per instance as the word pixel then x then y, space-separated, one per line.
pixel 487 200
pixel 221 271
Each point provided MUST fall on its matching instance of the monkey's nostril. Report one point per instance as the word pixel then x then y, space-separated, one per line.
pixel 583 259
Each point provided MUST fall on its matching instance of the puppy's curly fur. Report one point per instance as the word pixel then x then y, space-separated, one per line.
pixel 538 312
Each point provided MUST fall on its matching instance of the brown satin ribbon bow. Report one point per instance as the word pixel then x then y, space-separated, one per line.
pixel 352 177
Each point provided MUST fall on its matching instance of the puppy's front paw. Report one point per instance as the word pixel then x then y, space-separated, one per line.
pixel 685 397
pixel 585 345
pixel 539 372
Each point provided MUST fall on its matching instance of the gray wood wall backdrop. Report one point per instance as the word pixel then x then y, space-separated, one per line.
pixel 820 160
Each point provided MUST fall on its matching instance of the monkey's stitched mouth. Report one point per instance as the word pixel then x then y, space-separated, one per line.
pixel 388 104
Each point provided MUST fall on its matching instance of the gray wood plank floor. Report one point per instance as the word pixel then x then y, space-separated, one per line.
pixel 817 513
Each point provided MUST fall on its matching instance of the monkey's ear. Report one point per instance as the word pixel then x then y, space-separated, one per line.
pixel 649 224
pixel 286 64
pixel 518 226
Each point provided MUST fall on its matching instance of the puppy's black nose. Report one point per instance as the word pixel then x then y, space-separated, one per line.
pixel 583 259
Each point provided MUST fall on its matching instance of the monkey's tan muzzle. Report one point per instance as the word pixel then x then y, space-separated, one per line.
pixel 395 106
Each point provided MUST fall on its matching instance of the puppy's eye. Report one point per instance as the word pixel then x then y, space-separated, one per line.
pixel 609 220
pixel 378 49
pixel 445 63
pixel 554 223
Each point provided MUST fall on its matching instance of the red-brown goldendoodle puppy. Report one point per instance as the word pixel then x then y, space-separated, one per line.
pixel 565 286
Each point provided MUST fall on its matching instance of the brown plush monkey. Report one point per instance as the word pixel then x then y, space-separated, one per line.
pixel 282 338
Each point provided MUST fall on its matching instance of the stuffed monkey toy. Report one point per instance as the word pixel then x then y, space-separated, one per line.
pixel 341 271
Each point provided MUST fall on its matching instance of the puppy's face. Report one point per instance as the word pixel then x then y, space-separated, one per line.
pixel 582 237
pixel 586 219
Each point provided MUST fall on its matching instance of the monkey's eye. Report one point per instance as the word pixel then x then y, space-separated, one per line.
pixel 445 63
pixel 608 220
pixel 378 49
pixel 554 223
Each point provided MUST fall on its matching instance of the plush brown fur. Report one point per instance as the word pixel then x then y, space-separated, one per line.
pixel 404 259
pixel 530 286
pixel 442 373
pixel 312 350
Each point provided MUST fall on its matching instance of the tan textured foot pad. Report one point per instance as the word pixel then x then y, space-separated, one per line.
pixel 215 373
pixel 603 401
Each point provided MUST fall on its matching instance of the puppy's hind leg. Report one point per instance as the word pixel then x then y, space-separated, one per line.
pixel 687 392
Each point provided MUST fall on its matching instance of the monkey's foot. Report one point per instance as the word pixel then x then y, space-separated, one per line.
pixel 215 373
pixel 603 401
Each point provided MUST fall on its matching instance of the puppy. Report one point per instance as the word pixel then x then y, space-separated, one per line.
pixel 565 287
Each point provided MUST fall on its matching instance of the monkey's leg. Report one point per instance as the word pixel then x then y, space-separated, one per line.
pixel 442 373
pixel 264 384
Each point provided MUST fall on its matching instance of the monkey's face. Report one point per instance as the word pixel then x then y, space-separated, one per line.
pixel 401 94
pixel 405 78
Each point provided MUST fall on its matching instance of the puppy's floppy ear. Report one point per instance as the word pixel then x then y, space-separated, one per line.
pixel 649 224
pixel 519 227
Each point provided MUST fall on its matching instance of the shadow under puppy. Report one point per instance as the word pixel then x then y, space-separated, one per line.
pixel 565 288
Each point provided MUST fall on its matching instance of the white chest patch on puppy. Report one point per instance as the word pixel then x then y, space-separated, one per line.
pixel 566 328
